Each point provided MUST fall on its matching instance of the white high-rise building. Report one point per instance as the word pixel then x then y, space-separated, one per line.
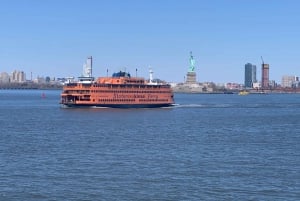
pixel 87 67
pixel 4 77
pixel 288 81
pixel 18 76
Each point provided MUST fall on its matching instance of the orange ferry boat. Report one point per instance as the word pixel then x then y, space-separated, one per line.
pixel 118 91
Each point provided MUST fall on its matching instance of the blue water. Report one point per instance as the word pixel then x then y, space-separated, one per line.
pixel 209 147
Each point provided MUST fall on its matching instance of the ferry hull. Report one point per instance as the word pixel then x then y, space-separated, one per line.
pixel 124 106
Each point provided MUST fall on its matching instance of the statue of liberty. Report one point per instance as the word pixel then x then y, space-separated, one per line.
pixel 192 63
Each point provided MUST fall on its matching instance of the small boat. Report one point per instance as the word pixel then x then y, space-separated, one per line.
pixel 243 93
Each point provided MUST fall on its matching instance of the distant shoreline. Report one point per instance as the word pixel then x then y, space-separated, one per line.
pixel 35 86
pixel 175 92
pixel 31 86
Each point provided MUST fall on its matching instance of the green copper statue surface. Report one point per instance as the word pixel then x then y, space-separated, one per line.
pixel 192 64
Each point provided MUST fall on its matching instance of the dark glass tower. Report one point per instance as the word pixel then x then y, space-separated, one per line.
pixel 250 75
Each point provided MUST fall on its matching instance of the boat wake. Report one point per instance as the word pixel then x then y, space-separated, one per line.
pixel 188 105
pixel 204 106
pixel 236 105
pixel 98 107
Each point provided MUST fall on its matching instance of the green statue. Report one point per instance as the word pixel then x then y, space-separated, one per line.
pixel 192 63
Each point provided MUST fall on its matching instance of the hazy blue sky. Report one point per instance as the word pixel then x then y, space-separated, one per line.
pixel 54 37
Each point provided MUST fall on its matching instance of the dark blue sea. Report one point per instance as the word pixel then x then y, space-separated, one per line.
pixel 208 147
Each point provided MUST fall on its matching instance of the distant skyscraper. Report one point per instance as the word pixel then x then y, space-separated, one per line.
pixel 265 75
pixel 250 75
pixel 87 67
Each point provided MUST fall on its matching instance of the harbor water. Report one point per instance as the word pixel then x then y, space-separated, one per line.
pixel 207 147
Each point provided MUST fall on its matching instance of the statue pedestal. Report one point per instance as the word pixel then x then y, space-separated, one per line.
pixel 191 78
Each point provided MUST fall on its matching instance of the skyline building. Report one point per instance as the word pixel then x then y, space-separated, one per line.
pixel 289 81
pixel 265 75
pixel 250 75
pixel 18 76
pixel 4 77
pixel 87 67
